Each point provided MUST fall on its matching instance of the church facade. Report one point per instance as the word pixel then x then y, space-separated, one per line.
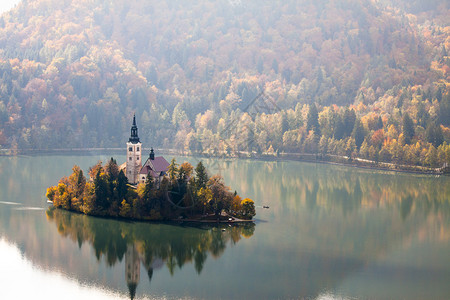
pixel 134 170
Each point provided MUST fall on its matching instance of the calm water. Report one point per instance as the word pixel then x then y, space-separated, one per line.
pixel 331 233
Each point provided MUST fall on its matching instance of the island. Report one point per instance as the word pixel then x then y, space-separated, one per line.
pixel 156 191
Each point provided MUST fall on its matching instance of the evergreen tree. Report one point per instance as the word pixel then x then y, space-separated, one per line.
pixel 101 191
pixel 434 134
pixel 408 128
pixel 444 110
pixel 81 183
pixel 312 122
pixel 348 119
pixel 122 188
pixel 284 124
pixel 379 123
pixel 201 177
pixel 148 195
pixel 112 170
pixel 358 133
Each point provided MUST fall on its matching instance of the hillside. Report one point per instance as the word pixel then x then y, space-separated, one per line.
pixel 73 72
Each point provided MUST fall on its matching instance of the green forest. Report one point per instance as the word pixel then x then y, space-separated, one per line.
pixel 363 79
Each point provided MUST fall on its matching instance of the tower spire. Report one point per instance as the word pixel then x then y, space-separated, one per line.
pixel 134 138
pixel 152 154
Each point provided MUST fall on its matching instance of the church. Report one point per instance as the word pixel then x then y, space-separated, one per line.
pixel 136 173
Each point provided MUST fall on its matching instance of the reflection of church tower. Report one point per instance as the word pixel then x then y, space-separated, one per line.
pixel 134 148
pixel 132 269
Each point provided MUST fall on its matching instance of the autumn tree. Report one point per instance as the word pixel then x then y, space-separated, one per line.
pixel 248 209
pixel 172 170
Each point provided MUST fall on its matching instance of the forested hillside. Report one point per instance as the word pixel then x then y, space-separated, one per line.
pixel 365 78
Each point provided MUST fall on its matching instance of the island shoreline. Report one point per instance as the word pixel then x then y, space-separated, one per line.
pixel 178 222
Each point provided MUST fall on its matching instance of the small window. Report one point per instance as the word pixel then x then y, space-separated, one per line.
pixel 130 157
pixel 137 149
pixel 130 149
pixel 143 177
pixel 137 157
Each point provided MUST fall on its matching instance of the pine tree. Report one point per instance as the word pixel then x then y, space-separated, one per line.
pixel 201 177
pixel 312 122
pixel 148 194
pixel 101 191
pixel 122 182
pixel 408 128
pixel 348 119
pixel 379 123
pixel 434 134
pixel 358 133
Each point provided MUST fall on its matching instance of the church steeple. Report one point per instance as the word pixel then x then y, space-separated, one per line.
pixel 152 154
pixel 134 132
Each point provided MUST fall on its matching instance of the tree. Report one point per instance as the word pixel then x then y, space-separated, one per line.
pixel 408 128
pixel 312 122
pixel 201 176
pixel 379 123
pixel 358 133
pixel 248 208
pixel 172 170
pixel 431 156
pixel 221 197
pixel 122 182
pixel 112 170
pixel 364 150
pixel 185 172
pixel 323 145
pixel 434 134
pixel 101 191
pixel 148 195
pixel 148 187
pixel 350 147
pixel 348 120
pixel 125 209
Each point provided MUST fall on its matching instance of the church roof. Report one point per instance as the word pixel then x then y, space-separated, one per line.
pixel 157 165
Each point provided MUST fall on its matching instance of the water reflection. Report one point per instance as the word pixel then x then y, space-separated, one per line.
pixel 289 187
pixel 330 231
pixel 151 246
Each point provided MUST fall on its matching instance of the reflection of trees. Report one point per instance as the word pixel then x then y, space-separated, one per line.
pixel 313 186
pixel 150 245
pixel 347 211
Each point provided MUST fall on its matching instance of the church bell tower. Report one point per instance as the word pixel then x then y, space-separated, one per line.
pixel 134 158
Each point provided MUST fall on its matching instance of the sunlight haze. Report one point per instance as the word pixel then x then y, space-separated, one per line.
pixel 6 5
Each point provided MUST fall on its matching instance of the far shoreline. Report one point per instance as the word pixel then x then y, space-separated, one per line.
pixel 301 157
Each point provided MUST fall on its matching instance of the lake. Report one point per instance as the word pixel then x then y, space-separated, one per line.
pixel 331 232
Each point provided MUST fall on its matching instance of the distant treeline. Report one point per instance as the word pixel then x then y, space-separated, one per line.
pixel 72 74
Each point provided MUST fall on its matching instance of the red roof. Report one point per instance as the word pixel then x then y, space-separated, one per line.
pixel 157 165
